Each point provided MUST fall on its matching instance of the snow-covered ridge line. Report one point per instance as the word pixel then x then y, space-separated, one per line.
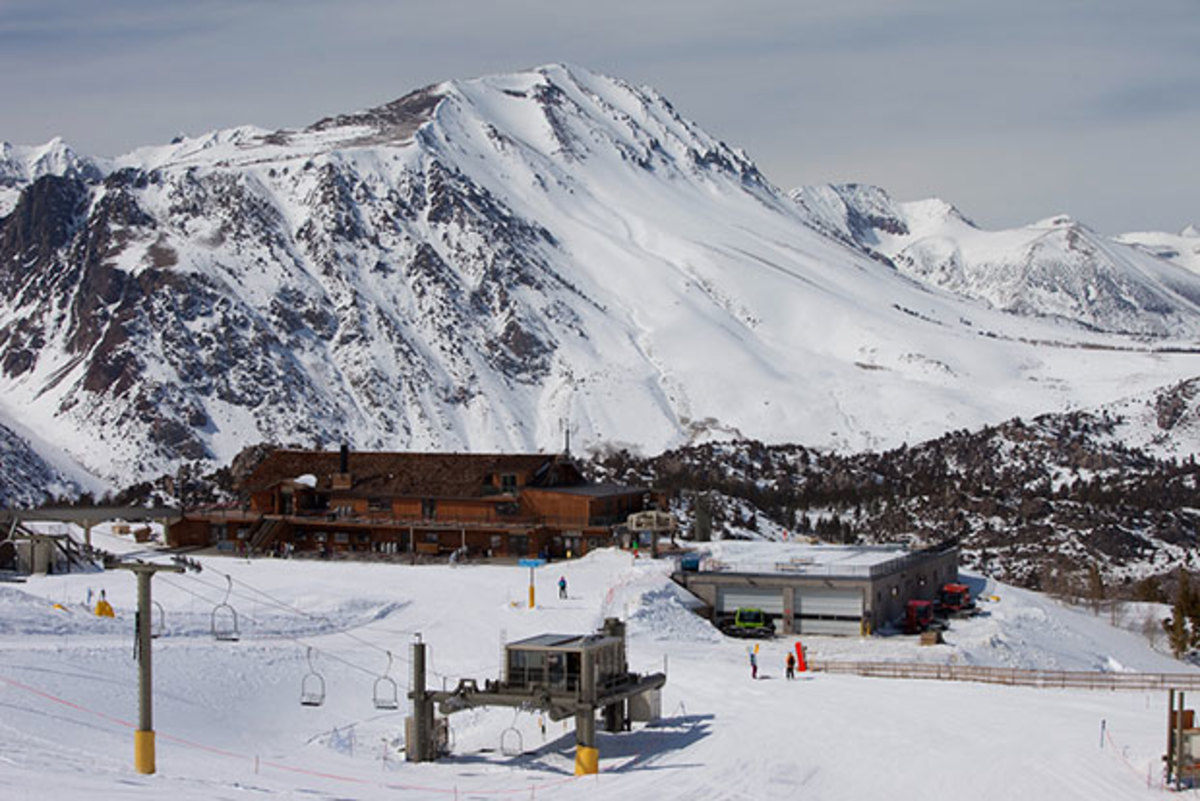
pixel 1055 267
pixel 467 266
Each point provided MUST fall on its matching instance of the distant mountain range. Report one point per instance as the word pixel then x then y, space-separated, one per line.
pixel 487 264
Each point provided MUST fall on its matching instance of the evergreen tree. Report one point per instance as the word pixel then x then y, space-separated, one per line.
pixel 703 521
pixel 1095 587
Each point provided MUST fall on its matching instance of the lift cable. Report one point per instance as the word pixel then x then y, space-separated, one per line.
pixel 285 606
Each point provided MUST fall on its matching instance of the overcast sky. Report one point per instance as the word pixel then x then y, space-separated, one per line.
pixel 1013 110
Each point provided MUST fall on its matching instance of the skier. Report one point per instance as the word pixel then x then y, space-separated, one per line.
pixel 753 665
pixel 562 586
pixel 791 665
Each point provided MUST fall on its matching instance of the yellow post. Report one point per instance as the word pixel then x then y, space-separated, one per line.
pixel 587 760
pixel 143 751
pixel 531 590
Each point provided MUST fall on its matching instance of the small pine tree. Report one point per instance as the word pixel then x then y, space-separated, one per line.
pixel 1177 633
pixel 703 522
pixel 1095 587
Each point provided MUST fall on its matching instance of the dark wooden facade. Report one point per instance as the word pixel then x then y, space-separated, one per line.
pixel 416 503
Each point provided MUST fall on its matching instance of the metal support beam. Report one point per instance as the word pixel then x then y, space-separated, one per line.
pixel 419 744
pixel 143 738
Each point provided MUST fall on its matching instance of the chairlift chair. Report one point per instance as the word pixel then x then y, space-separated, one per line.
pixel 312 686
pixel 159 625
pixel 386 693
pixel 224 617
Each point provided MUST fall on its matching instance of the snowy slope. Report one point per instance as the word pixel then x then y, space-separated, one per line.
pixel 21 165
pixel 1182 248
pixel 471 265
pixel 228 720
pixel 1056 267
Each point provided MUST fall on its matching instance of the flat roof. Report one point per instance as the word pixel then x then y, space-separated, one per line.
pixel 785 558
pixel 562 642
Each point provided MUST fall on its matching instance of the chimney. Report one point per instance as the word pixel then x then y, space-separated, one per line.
pixel 341 479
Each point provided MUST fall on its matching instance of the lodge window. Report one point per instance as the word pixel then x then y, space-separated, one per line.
pixel 220 532
pixel 428 508
pixel 378 504
pixel 508 481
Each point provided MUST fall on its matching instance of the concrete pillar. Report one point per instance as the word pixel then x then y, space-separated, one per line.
pixel 419 745
pixel 614 717
pixel 587 756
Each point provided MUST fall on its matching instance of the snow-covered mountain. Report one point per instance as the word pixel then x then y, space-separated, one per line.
pixel 482 262
pixel 26 478
pixel 1182 248
pixel 1056 267
pixel 19 166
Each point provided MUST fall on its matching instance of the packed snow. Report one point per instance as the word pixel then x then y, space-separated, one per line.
pixel 229 723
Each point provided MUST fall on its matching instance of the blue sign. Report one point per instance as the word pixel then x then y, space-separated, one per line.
pixel 531 562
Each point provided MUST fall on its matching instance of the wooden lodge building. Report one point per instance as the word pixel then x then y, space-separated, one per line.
pixel 415 503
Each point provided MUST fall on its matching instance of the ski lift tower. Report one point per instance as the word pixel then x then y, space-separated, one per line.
pixel 143 737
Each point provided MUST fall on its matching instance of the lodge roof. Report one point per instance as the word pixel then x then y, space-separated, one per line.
pixel 428 475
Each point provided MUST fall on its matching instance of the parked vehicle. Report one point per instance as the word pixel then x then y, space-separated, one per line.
pixel 954 600
pixel 918 617
pixel 748 622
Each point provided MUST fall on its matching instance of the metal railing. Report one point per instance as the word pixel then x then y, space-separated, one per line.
pixel 1021 677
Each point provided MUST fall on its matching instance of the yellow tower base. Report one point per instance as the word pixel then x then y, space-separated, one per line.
pixel 587 760
pixel 143 751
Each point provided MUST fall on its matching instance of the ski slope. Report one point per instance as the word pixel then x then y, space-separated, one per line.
pixel 229 723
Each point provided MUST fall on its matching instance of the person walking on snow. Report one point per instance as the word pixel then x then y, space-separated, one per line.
pixel 791 665
pixel 562 586
pixel 753 665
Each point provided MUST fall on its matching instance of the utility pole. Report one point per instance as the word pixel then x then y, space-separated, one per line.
pixel 143 738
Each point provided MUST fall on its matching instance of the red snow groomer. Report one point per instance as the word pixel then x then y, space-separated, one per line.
pixel 954 600
pixel 920 617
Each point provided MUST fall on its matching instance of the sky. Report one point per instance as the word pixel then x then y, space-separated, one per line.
pixel 1013 111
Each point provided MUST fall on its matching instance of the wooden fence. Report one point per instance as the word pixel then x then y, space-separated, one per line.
pixel 1079 679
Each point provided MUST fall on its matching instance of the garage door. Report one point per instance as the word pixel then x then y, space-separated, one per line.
pixel 730 599
pixel 821 610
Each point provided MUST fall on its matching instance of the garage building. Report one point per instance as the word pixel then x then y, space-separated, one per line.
pixel 848 590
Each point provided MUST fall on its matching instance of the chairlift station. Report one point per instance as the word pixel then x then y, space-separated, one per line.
pixel 559 674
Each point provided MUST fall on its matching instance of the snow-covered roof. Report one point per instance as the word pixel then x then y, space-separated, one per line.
pixel 800 559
